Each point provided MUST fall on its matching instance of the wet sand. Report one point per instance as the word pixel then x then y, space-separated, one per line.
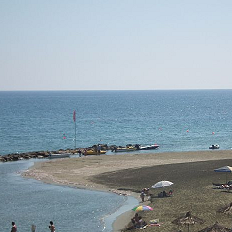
pixel 124 174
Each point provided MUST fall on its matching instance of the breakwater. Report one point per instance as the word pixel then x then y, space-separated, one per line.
pixel 45 154
pixel 22 156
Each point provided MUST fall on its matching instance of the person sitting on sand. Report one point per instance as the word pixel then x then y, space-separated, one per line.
pixel 160 194
pixel 135 219
pixel 135 222
pixel 141 223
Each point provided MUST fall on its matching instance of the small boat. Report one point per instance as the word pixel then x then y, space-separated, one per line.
pixel 94 152
pixel 124 149
pixel 59 155
pixel 214 146
pixel 148 147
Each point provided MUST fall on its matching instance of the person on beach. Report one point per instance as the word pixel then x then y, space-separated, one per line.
pixel 142 195
pixel 141 223
pixel 99 149
pixel 170 193
pixel 135 221
pixel 149 198
pixel 14 227
pixel 52 227
pixel 146 191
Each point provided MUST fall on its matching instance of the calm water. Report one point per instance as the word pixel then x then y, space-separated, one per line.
pixel 33 121
pixel 30 202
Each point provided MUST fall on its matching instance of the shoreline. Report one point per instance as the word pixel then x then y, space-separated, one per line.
pixel 84 168
pixel 87 169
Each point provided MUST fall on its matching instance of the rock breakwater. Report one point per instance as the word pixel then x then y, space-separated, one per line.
pixel 44 154
pixel 31 155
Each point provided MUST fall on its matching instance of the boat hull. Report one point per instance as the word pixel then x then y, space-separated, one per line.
pixel 57 156
pixel 216 146
pixel 149 147
pixel 91 152
pixel 124 149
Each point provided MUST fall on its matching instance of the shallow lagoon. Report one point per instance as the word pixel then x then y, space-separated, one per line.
pixel 28 202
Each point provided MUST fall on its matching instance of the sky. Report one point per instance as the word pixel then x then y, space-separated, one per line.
pixel 115 44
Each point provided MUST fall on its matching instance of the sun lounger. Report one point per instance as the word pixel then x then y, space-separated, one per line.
pixel 155 225
pixel 154 222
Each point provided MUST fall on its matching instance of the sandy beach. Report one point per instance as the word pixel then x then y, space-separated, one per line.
pixel 191 172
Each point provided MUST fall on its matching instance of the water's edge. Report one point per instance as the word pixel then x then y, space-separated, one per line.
pixel 113 220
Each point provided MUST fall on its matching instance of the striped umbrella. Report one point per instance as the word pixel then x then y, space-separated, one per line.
pixel 142 208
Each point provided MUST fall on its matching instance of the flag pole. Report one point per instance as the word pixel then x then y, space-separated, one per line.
pixel 75 135
pixel 74 119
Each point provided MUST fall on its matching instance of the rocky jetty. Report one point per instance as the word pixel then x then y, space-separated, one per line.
pixel 21 156
pixel 32 155
pixel 43 154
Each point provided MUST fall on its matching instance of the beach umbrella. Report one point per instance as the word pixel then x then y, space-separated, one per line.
pixel 215 228
pixel 161 184
pixel 225 169
pixel 142 208
pixel 187 220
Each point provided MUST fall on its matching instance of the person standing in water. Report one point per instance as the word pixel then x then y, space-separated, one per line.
pixel 14 227
pixel 52 227
pixel 33 227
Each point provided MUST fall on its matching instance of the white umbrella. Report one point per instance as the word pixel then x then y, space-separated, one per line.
pixel 161 184
pixel 225 169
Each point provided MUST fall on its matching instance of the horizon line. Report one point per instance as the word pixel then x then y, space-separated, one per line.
pixel 73 90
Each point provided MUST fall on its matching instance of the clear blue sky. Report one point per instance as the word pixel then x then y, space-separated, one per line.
pixel 115 44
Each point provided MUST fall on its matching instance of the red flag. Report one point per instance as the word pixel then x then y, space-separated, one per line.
pixel 74 115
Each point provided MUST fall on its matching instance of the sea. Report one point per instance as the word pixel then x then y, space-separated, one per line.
pixel 176 120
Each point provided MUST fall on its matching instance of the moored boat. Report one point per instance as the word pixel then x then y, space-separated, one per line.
pixel 124 149
pixel 149 147
pixel 59 155
pixel 94 152
pixel 214 146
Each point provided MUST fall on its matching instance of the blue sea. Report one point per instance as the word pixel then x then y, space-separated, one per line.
pixel 37 121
